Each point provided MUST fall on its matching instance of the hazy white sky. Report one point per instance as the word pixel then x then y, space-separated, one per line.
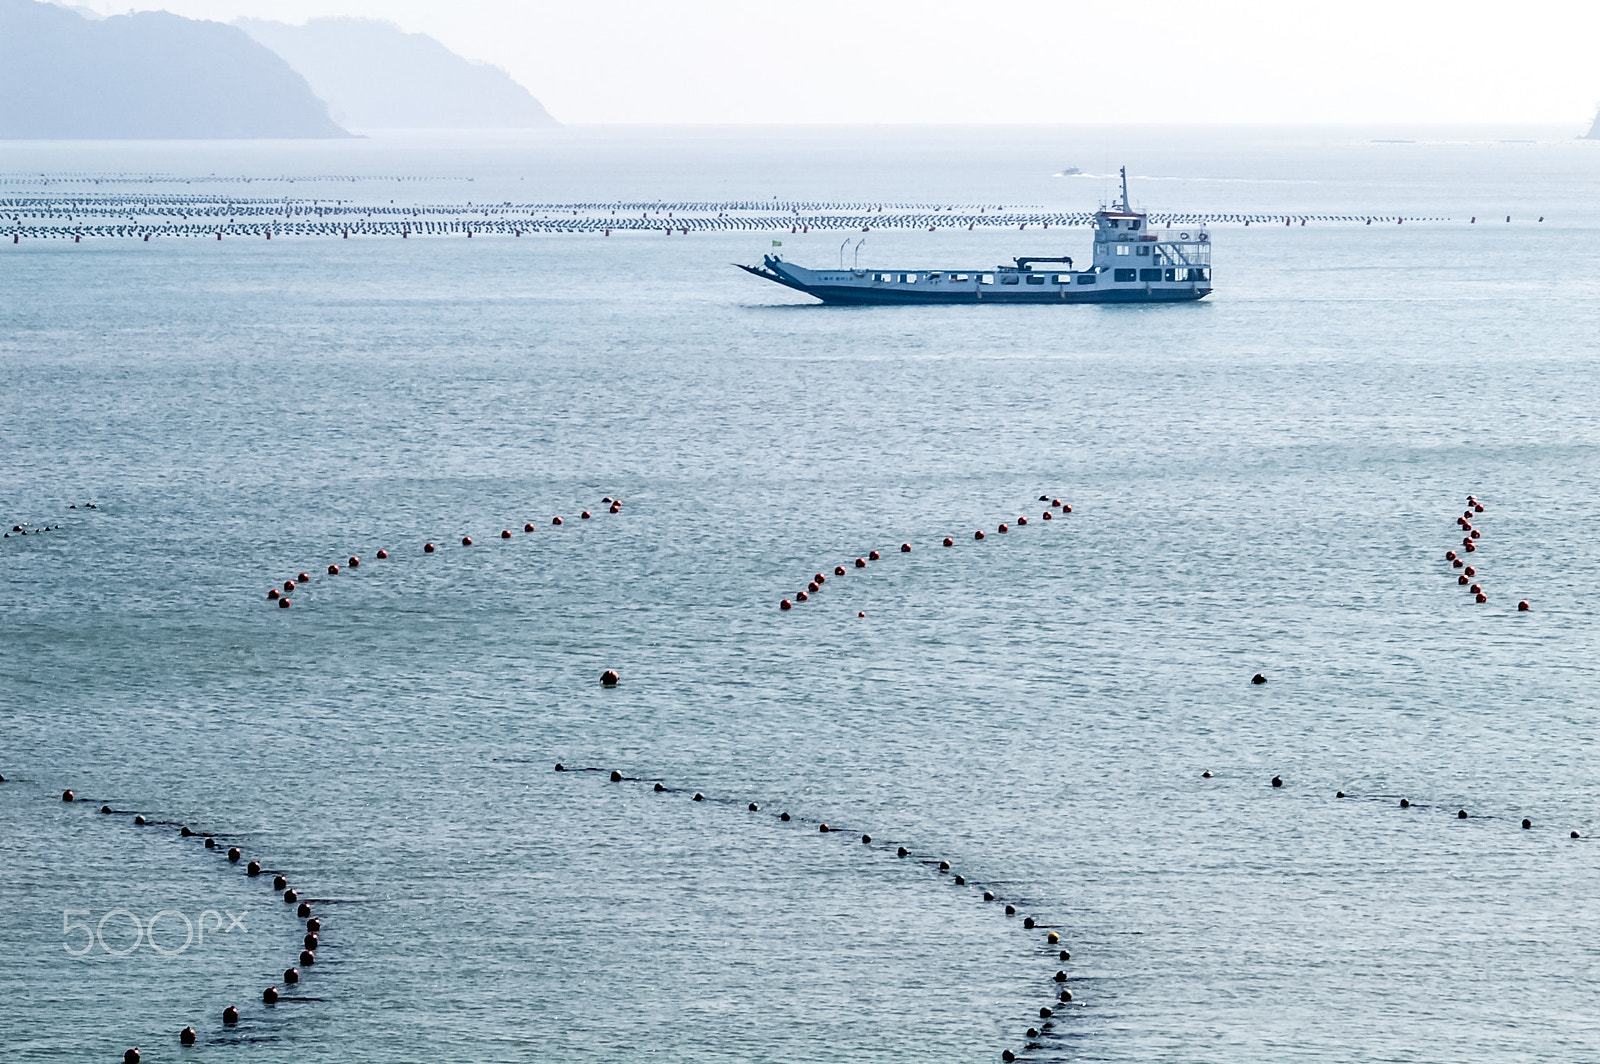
pixel 961 61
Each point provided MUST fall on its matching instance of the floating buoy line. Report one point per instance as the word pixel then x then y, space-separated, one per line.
pixel 1462 560
pixel 143 216
pixel 304 952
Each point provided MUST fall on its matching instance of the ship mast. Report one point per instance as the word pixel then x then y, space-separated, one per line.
pixel 1125 208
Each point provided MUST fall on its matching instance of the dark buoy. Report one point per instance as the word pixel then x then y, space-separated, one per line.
pixel 303 578
pixel 312 941
pixel 1461 814
pixel 555 520
pixel 1338 794
pixel 1061 977
pixel 1011 910
pixel 1523 607
pixel 383 554
pixel 1028 923
pixel 314 924
pixel 902 852
pixel 211 843
pixel 131 1056
pixel 466 541
pixel 291 896
pixel 288 585
pixel 1258 678
pixel 659 788
pixel 1405 803
pixel 107 809
pixel 560 767
pixel 1066 995
pixel 1526 824
pixel 609 678
pixel 304 911
pixel 505 533
pixel 186 1036
pixel 68 796
pixel 978 534
pixel 948 542
pixel 786 605
pixel 307 958
pixel 699 797
pixel 988 895
pixel 824 828
pixel 233 855
pixel 961 881
pixel 427 548
pixel 616 777
pixel 253 868
pixel 283 603
pixel 866 840
pixel 905 548
pixel 585 515
pixel 1206 774
pixel 873 556
pixel 355 563
pixel 270 995
pixel 861 563
pixel 1006 1056
pixel 1045 1013
pixel 186 832
pixel 1573 835
pixel 528 527
pixel 230 1015
pixel 753 808
pixel 1065 955
pixel 279 883
pixel 783 817
pixel 272 593
pixel 1277 781
pixel 291 975
pixel 333 570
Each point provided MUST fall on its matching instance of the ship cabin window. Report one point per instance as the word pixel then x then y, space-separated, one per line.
pixel 1149 275
pixel 882 277
pixel 908 278
pixel 1133 225
pixel 1113 223
pixel 1009 278
pixel 1087 278
pixel 1063 278
pixel 1122 249
pixel 987 278
pixel 1126 275
pixel 1035 278
pixel 933 276
pixel 1144 249
pixel 959 277
pixel 1172 275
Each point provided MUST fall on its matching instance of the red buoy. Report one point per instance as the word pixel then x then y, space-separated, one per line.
pixel 1065 508
pixel 272 593
pixel 948 542
pixel 270 995
pixel 383 554
pixel 1477 507
pixel 786 605
pixel 466 541
pixel 819 578
pixel 1450 555
pixel 1476 534
pixel 861 613
pixel 802 597
pixel 1467 515
pixel 556 521
pixel 812 587
pixel 584 515
pixel 1482 597
pixel 505 533
pixel 528 527
pixel 427 548
pixel 1475 589
pixel 288 585
pixel 861 563
pixel 1003 527
pixel 905 548
pixel 283 603
pixel 1523 607
pixel 1470 547
pixel 1048 516
pixel 1458 563
pixel 873 556
pixel 1471 571
pixel 302 578
pixel 978 534
pixel 355 562
pixel 609 678
pixel 1022 521
pixel 838 570
pixel 333 570
pixel 1461 580
pixel 1055 504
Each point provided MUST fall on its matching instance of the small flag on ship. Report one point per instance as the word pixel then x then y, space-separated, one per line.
pixel 777 243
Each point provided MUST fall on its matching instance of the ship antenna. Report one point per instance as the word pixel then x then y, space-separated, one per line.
pixel 863 240
pixel 1125 208
pixel 841 252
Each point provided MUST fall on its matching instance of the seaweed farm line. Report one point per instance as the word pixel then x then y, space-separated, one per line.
pixel 143 216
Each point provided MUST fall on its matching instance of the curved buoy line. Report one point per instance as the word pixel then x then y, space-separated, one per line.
pixel 1051 947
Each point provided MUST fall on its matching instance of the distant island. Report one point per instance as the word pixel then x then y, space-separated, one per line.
pixel 1594 130
pixel 150 75
pixel 374 75
pixel 67 74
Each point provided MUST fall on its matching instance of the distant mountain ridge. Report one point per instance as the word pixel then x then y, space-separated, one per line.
pixel 375 75
pixel 150 75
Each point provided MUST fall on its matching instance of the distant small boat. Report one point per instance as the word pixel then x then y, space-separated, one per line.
pixel 1071 171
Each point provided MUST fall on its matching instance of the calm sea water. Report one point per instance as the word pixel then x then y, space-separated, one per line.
pixel 1265 481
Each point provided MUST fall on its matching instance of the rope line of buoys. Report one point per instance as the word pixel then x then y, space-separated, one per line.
pixel 253 869
pixel 299 584
pixel 818 579
pixel 1469 576
pixel 1051 948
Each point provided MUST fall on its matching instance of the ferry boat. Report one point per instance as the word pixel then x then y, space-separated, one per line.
pixel 1133 263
